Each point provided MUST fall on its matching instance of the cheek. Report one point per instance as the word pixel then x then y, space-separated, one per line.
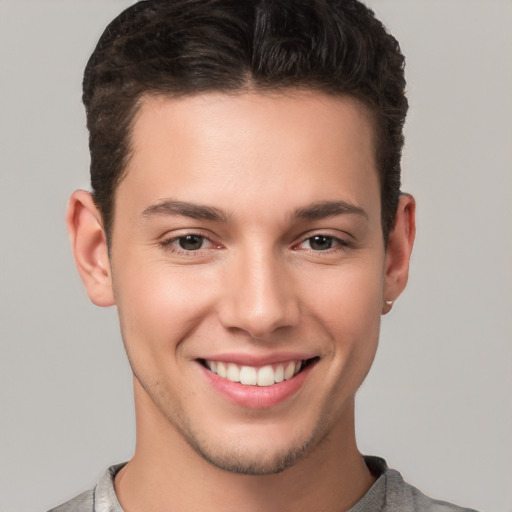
pixel 349 297
pixel 159 304
pixel 348 307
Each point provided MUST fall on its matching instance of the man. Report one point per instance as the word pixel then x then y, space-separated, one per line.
pixel 246 220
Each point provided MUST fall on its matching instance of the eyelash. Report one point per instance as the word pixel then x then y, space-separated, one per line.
pixel 171 244
pixel 339 243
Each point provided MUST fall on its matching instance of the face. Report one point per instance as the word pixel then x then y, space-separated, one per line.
pixel 248 268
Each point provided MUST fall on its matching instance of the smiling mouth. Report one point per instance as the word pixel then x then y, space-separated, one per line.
pixel 267 375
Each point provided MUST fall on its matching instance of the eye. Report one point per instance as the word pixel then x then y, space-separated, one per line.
pixel 322 243
pixel 191 242
pixel 188 243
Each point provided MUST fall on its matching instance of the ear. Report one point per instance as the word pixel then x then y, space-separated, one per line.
pixel 89 245
pixel 398 251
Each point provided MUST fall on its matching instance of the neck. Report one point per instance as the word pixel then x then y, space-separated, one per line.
pixel 167 474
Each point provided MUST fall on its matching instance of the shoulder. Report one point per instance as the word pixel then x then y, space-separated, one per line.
pixel 100 499
pixel 403 496
pixel 390 493
pixel 82 503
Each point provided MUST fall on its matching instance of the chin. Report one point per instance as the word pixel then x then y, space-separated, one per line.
pixel 266 449
pixel 245 460
pixel 245 446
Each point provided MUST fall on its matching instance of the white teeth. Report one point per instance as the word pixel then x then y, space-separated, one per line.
pixel 289 371
pixel 279 374
pixel 251 376
pixel 248 376
pixel 221 370
pixel 266 376
pixel 233 373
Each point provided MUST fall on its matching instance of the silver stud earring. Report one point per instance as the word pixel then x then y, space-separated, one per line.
pixel 389 302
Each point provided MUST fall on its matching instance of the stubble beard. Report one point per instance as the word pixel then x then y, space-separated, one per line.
pixel 239 459
pixel 234 458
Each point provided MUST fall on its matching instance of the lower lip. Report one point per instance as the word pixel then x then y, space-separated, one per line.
pixel 257 397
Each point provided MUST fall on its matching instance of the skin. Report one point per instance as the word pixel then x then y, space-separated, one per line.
pixel 259 285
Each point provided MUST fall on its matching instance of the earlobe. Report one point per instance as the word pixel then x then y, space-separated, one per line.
pixel 89 245
pixel 398 252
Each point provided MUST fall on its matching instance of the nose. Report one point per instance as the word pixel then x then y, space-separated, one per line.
pixel 258 295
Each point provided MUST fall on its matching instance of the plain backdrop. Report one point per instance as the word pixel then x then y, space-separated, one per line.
pixel 438 402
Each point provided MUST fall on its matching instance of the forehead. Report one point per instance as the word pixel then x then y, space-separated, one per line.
pixel 217 147
pixel 253 111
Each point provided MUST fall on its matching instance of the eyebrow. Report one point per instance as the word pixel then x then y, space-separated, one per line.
pixel 315 211
pixel 323 209
pixel 191 210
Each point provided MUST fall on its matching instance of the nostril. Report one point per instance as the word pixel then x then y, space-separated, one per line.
pixel 258 298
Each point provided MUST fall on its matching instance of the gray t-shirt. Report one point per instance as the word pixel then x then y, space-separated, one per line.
pixel 388 494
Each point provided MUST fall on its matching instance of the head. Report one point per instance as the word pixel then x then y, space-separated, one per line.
pixel 246 218
pixel 183 47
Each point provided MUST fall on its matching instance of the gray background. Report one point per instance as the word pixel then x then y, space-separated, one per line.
pixel 437 404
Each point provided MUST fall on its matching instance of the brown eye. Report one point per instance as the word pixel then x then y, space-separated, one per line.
pixel 190 242
pixel 321 242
